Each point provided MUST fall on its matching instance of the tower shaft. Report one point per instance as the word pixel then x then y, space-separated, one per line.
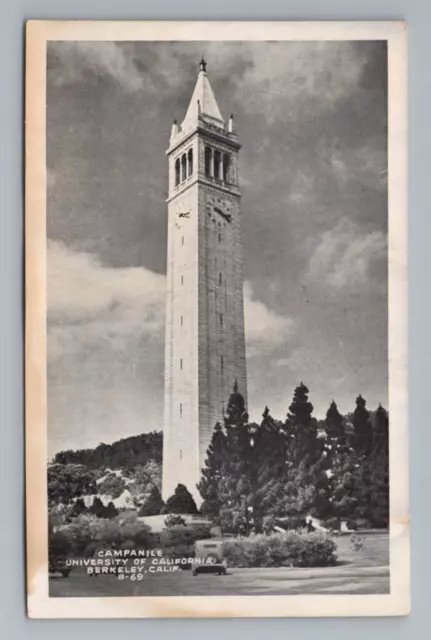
pixel 205 345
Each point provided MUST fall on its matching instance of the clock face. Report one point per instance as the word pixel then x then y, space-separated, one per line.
pixel 219 209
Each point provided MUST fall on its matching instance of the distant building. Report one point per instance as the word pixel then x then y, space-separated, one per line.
pixel 205 344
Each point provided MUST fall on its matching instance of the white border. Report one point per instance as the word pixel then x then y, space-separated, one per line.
pixel 39 603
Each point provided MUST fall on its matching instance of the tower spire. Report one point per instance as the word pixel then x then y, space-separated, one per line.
pixel 203 102
pixel 203 65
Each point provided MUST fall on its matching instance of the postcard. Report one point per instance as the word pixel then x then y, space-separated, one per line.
pixel 216 319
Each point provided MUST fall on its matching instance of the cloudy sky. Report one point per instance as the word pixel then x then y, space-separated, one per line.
pixel 311 117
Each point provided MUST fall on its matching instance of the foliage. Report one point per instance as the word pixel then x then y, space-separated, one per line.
pixel 180 502
pixel 256 475
pixel 69 481
pixel 234 485
pixel 178 541
pixel 153 504
pixel 362 427
pixel 334 424
pixel 112 485
pixel 211 474
pixel 174 520
pixel 127 452
pixel 292 548
pixel 87 533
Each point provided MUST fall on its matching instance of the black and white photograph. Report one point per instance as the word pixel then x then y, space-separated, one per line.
pixel 219 417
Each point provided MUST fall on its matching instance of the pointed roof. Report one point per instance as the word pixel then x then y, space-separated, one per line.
pixel 203 101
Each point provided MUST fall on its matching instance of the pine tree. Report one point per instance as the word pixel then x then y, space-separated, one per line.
pixel 269 459
pixel 153 505
pixel 379 471
pixel 305 487
pixel 78 508
pixel 110 511
pixel 211 474
pixel 180 502
pixel 362 438
pixel 235 492
pixel 97 508
pixel 334 424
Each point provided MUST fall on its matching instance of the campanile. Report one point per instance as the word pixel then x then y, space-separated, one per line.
pixel 205 345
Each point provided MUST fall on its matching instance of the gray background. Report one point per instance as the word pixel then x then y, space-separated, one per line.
pixel 12 583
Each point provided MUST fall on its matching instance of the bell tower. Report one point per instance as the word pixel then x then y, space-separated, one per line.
pixel 205 345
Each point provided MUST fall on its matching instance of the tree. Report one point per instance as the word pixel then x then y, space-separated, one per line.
pixel 302 486
pixel 112 485
pixel 334 424
pixel 379 471
pixel 300 422
pixel 212 474
pixel 110 511
pixel 153 505
pixel 127 452
pixel 69 481
pixel 180 502
pixel 78 508
pixel 269 461
pixel 362 427
pixel 97 508
pixel 235 488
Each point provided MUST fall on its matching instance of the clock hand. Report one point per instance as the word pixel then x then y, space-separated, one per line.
pixel 226 216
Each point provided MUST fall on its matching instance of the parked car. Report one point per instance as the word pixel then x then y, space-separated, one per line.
pixel 210 552
pixel 58 565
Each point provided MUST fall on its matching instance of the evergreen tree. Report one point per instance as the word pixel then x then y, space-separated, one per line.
pixel 211 474
pixel 97 508
pixel 379 471
pixel 334 424
pixel 235 492
pixel 153 505
pixel 78 508
pixel 305 486
pixel 110 511
pixel 269 462
pixel 362 438
pixel 180 502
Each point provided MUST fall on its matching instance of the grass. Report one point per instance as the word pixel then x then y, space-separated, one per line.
pixel 365 571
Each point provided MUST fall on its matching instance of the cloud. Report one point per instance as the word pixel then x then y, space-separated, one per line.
pixel 76 58
pixel 265 330
pixel 345 255
pixel 90 305
pixel 286 78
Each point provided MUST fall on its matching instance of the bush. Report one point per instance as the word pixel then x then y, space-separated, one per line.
pixel 153 504
pixel 178 541
pixel 180 502
pixel 292 548
pixel 112 485
pixel 86 533
pixel 174 520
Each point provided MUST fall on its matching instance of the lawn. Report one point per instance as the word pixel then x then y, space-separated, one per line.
pixel 365 571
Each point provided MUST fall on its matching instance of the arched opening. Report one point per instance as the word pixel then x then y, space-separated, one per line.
pixel 190 159
pixel 226 167
pixel 217 164
pixel 208 160
pixel 183 167
pixel 177 172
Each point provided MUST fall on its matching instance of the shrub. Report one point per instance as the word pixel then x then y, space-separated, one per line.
pixel 174 520
pixel 153 504
pixel 178 541
pixel 112 485
pixel 291 548
pixel 86 533
pixel 180 502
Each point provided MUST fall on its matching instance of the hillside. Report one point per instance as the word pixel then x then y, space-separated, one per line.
pixel 123 472
pixel 124 453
